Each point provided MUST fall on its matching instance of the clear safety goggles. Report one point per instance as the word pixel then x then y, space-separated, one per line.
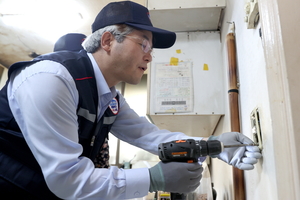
pixel 146 47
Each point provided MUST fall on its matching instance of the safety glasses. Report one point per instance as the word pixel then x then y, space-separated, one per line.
pixel 146 47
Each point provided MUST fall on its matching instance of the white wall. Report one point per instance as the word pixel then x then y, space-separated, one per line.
pixel 281 46
pixel 260 183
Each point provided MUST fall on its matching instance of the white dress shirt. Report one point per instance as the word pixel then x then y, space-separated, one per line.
pixel 43 99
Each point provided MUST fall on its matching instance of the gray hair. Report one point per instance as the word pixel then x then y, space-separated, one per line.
pixel 92 42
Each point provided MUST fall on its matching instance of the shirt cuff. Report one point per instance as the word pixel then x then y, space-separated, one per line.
pixel 137 182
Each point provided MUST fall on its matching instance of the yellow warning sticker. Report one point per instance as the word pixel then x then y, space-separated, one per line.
pixel 205 67
pixel 174 61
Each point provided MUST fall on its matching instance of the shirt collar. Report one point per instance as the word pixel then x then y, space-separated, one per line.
pixel 102 86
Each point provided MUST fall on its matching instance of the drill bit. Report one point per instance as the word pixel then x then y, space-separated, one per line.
pixel 239 145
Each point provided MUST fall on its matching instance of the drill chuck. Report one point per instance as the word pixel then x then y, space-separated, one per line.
pixel 215 147
pixel 188 150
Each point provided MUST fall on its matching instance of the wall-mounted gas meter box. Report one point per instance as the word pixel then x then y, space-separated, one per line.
pixel 186 84
pixel 186 15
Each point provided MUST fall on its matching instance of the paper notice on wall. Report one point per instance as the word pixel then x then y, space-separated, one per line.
pixel 173 87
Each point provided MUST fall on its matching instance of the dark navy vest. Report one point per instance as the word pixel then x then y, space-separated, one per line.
pixel 15 155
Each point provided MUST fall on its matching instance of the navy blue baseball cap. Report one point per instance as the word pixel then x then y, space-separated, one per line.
pixel 70 42
pixel 135 15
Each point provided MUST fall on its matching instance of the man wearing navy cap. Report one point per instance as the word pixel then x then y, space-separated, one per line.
pixel 70 42
pixel 58 109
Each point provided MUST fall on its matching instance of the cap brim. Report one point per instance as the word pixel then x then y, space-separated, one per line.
pixel 161 38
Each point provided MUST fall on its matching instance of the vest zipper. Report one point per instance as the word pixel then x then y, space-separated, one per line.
pixel 93 139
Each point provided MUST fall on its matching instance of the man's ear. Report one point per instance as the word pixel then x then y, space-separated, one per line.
pixel 106 41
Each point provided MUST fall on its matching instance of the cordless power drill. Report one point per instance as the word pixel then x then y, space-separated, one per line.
pixel 188 150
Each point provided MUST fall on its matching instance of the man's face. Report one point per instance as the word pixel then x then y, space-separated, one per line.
pixel 132 56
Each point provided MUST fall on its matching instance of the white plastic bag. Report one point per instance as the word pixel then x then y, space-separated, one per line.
pixel 204 191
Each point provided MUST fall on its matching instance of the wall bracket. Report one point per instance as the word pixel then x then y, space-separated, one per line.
pixel 256 129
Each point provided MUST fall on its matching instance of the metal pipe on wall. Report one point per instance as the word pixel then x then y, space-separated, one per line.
pixel 238 175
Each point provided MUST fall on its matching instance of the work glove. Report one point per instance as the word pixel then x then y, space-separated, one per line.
pixel 240 157
pixel 176 177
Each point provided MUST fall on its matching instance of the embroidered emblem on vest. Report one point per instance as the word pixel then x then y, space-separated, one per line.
pixel 113 105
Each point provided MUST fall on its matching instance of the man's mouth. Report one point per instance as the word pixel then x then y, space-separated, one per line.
pixel 143 68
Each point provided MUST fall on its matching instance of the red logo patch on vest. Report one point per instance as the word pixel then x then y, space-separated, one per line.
pixel 114 106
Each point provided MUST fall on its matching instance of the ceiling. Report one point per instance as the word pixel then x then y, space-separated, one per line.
pixel 18 42
pixel 31 27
